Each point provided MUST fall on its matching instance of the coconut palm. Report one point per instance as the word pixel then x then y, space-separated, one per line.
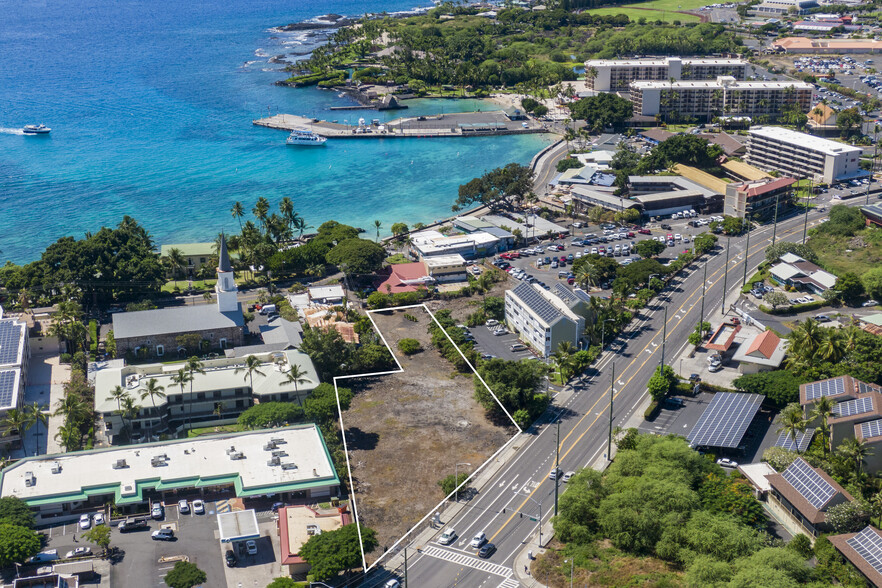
pixel 561 358
pixel 181 378
pixel 129 411
pixel 850 337
pixel 193 366
pixel 378 225
pixel 16 421
pixel 831 348
pixel 36 415
pixel 856 451
pixel 793 423
pixel 69 436
pixel 153 391
pixel 176 262
pixel 261 210
pixel 118 393
pixel 824 410
pixel 251 367
pixel 286 207
pixel 588 275
pixel 295 376
pixel 238 211
pixel 805 340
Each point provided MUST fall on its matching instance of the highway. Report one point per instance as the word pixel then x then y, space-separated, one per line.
pixel 503 507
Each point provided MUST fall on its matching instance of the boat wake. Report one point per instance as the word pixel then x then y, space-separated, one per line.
pixel 7 131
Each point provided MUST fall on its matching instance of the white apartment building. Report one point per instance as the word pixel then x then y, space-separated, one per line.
pixel 723 96
pixel 614 75
pixel 801 155
pixel 542 320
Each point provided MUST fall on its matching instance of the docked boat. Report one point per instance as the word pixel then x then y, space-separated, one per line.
pixel 36 130
pixel 304 137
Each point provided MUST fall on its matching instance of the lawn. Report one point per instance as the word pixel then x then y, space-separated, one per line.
pixel 849 254
pixel 673 4
pixel 650 15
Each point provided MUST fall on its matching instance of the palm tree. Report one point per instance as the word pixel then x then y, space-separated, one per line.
pixel 68 435
pixel 129 411
pixel 153 391
pixel 793 423
pixel 118 393
pixel 286 207
pixel 238 211
pixel 193 366
pixel 588 275
pixel 831 348
pixel 824 410
pixel 295 376
pixel 18 421
pixel 855 450
pixel 805 340
pixel 850 337
pixel 561 357
pixel 176 262
pixel 36 415
pixel 251 367
pixel 378 225
pixel 181 378
pixel 261 210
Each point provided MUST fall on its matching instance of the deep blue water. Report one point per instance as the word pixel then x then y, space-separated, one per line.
pixel 151 106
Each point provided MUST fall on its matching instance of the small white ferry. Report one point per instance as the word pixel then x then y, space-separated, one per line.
pixel 304 137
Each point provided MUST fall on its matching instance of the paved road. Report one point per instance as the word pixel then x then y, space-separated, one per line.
pixel 503 507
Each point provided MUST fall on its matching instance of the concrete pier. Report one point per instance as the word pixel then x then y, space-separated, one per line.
pixel 458 124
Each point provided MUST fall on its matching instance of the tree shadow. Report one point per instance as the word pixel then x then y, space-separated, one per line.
pixel 358 439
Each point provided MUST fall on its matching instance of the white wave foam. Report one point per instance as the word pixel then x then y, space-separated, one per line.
pixel 260 53
pixel 9 131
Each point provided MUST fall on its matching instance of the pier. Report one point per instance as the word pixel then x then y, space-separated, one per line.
pixel 457 124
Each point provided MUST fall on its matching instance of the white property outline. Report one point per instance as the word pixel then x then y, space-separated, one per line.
pixel 401 370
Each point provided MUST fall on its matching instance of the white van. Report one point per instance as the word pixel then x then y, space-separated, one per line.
pixel 48 555
pixel 268 308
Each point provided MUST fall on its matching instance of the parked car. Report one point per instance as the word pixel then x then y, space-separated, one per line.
pixel 251 547
pixel 447 537
pixel 870 303
pixel 163 535
pixel 822 318
pixel 98 518
pixel 85 521
pixel 500 331
pixel 727 463
pixel 492 322
pixel 644 231
pixel 78 552
pixel 230 558
pixel 157 511
pixel 183 506
pixel 478 540
pixel 666 227
pixel 198 507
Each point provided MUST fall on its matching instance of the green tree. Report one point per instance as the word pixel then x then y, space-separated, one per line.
pixel 568 163
pixel 409 346
pixel 15 511
pixel 499 188
pixel 704 242
pixel 153 391
pixel 776 299
pixel 184 575
pixel 849 286
pixel 848 120
pixel 238 211
pixel 515 384
pixel 327 350
pixel 17 544
pixel 16 421
pixel 848 517
pixel 781 387
pixel 872 282
pixel 398 229
pixel 602 111
pixel 793 423
pixel 774 252
pixel 283 582
pixel 689 150
pixel 267 415
pixel 449 483
pixel 321 404
pixel 295 375
pixel 250 367
pixel 661 382
pixel 823 410
pixel 360 256
pixel 649 248
pixel 99 535
pixel 336 551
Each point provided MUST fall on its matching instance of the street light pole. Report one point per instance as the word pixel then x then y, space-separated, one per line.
pixel 664 335
pixel 805 223
pixel 725 276
pixel 612 383
pixel 703 292
pixel 556 468
pixel 456 479
pixel 540 517
pixel 746 253
pixel 775 222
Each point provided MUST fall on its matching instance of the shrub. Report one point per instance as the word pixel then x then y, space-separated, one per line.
pixel 409 346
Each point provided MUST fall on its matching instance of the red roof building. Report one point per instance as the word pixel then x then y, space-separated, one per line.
pixel 297 524
pixel 403 277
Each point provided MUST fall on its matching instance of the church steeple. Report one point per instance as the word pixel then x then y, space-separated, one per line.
pixel 225 288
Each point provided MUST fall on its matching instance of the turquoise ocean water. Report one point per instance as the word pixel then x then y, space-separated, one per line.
pixel 151 106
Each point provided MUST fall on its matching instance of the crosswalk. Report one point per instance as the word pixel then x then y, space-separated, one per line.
pixel 510 583
pixel 468 561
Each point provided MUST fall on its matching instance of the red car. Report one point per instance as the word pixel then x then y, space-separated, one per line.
pixel 670 237
pixel 506 256
pixel 630 234
pixel 644 231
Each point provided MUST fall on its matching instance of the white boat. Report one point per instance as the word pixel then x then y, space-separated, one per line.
pixel 36 129
pixel 305 137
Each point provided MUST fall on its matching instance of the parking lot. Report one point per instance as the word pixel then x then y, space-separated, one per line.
pixel 497 345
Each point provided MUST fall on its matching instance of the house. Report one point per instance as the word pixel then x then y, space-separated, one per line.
pixel 285 463
pixel 857 412
pixel 541 319
pixel 743 172
pixel 473 224
pixel 195 255
pixel 763 353
pixel 822 118
pixel 296 524
pixel 864 551
pixel 14 355
pixel 839 388
pixel 332 295
pixel 446 268
pixel 793 270
pixel 531 226
pixel 403 277
pixel 217 395
pixel 153 333
pixel 731 146
pixel 656 136
pixel 804 494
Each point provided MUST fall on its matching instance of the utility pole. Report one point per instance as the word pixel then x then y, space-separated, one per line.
pixel 556 470
pixel 612 384
pixel 725 275
pixel 703 292
pixel 405 567
pixel 775 222
pixel 805 223
pixel 746 254
pixel 875 155
pixel 664 335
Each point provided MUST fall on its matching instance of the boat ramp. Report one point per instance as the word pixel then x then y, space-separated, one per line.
pixel 458 124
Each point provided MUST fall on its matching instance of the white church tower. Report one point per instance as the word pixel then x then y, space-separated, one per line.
pixel 225 289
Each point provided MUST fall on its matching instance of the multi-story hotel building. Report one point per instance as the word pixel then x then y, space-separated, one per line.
pixel 801 155
pixel 614 75
pixel 723 96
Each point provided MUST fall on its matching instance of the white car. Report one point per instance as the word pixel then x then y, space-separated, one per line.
pixel 479 540
pixel 157 512
pixel 678 237
pixel 78 552
pixel 183 507
pixel 98 518
pixel 85 521
pixel 870 303
pixel 447 537
pixel 566 477
pixel 198 506
pixel 727 463
pixel 555 473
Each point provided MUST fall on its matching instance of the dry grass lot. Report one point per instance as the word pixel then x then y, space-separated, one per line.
pixel 407 430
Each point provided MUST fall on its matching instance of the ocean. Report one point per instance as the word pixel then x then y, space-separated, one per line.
pixel 151 105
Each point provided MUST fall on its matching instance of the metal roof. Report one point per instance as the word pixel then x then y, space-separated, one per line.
pixel 238 525
pixel 223 258
pixel 182 319
pixel 541 307
pixel 809 483
pixel 871 429
pixel 725 421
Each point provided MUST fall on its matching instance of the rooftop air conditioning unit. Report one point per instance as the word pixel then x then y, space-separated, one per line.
pixel 237 455
pixel 289 466
pixel 273 461
pixel 56 469
pixel 269 446
pixel 30 480
pixel 120 464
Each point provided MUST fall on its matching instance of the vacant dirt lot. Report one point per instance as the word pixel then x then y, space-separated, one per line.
pixel 406 431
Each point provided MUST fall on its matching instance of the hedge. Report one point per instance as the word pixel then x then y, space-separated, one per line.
pixel 795 308
pixel 652 411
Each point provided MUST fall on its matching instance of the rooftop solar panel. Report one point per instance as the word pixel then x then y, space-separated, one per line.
pixel 535 302
pixel 868 544
pixel 832 387
pixel 564 293
pixel 10 340
pixel 863 387
pixel 802 440
pixel 871 429
pixel 726 419
pixel 7 389
pixel 809 483
pixel 854 407
pixel 583 295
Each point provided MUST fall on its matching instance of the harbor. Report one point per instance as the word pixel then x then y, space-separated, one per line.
pixel 459 124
